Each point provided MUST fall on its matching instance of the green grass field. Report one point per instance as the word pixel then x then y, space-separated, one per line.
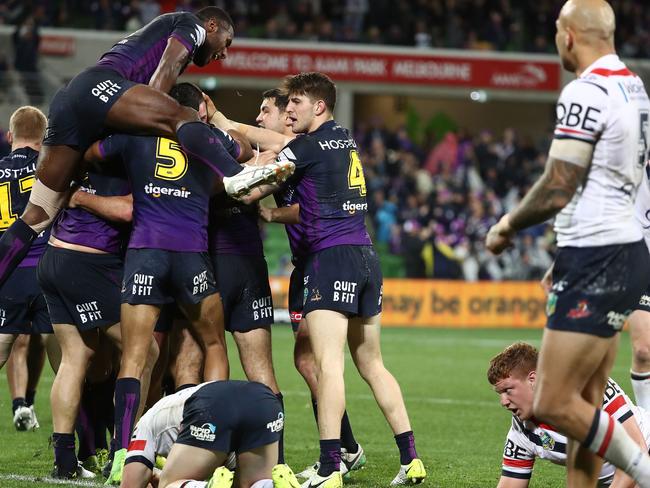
pixel 458 423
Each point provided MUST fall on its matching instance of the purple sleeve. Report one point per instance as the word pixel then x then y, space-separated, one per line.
pixel 111 146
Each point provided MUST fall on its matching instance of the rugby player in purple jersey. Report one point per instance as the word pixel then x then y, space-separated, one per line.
pixel 22 306
pixel 167 258
pixel 126 91
pixel 342 283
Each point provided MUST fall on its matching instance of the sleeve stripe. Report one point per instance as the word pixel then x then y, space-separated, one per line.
pixel 562 137
pixel 615 404
pixel 611 72
pixel 519 476
pixel 519 463
pixel 575 131
pixel 625 416
pixel 184 42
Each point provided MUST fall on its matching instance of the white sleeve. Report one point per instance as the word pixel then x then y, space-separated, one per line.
pixel 616 403
pixel 518 457
pixel 142 448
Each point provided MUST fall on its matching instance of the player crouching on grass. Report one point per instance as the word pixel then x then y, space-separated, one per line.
pixel 205 423
pixel 513 373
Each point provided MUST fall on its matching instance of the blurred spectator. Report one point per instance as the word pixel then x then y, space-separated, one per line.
pixel 26 39
pixel 478 24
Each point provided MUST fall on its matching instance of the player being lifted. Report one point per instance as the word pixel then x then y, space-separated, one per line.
pixel 343 282
pixel 512 373
pixel 126 91
pixel 593 171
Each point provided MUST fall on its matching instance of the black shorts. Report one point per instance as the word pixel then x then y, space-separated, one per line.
pixel 596 288
pixel 22 305
pixel 243 282
pixel 81 288
pixel 157 276
pixel 229 416
pixel 296 294
pixel 78 110
pixel 345 279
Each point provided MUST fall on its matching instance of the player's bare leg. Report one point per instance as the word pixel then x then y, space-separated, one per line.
pixel 567 363
pixel 364 341
pixel 189 463
pixel 6 347
pixel 17 365
pixel 53 350
pixel 303 358
pixel 186 362
pixel 256 357
pixel 155 386
pixel 583 466
pixel 255 465
pixel 640 337
pixel 77 348
pixel 208 323
pixel 327 334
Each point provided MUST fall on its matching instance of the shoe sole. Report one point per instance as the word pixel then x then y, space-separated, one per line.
pixel 277 175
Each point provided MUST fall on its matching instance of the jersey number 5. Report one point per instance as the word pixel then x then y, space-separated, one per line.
pixel 7 217
pixel 171 162
pixel 355 174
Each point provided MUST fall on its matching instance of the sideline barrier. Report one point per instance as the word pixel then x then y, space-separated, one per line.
pixel 437 303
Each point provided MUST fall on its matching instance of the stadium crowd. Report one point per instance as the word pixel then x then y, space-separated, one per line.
pixel 511 26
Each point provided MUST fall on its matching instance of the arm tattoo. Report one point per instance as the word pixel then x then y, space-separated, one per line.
pixel 550 194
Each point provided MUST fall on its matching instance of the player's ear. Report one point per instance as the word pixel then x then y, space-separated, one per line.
pixel 10 137
pixel 531 377
pixel 320 107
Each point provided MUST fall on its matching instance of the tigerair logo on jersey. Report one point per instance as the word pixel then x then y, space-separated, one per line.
pixel 353 208
pixel 157 191
pixel 206 432
pixel 276 425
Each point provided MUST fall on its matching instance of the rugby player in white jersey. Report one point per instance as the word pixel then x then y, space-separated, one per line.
pixel 592 175
pixel 512 373
pixel 640 319
pixel 197 427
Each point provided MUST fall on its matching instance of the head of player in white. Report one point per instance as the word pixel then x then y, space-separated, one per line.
pixel 512 374
pixel 312 97
pixel 585 32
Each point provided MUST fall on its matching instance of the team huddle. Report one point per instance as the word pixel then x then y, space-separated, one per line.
pixel 133 246
pixel 142 232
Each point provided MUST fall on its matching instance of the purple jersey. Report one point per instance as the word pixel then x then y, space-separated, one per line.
pixel 295 232
pixel 233 227
pixel 329 187
pixel 171 191
pixel 137 56
pixel 16 180
pixel 78 226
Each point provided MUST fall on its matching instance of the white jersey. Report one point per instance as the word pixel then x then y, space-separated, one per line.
pixel 608 107
pixel 158 428
pixel 528 440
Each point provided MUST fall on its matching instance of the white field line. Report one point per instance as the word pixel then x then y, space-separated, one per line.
pixel 47 479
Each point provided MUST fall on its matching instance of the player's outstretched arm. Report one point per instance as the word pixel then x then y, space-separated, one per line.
pixel 550 194
pixel 115 209
pixel 170 66
pixel 507 482
pixel 136 475
pixel 281 215
pixel 266 139
pixel 245 149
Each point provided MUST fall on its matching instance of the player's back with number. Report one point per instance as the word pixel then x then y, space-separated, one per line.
pixel 332 192
pixel 608 107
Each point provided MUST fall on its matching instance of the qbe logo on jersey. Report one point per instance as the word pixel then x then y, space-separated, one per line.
pixel 276 425
pixel 204 433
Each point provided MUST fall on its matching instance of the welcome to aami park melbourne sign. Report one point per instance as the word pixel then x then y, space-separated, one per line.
pixel 442 68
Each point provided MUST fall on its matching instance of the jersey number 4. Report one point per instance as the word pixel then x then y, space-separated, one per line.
pixel 171 162
pixel 7 217
pixel 355 174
